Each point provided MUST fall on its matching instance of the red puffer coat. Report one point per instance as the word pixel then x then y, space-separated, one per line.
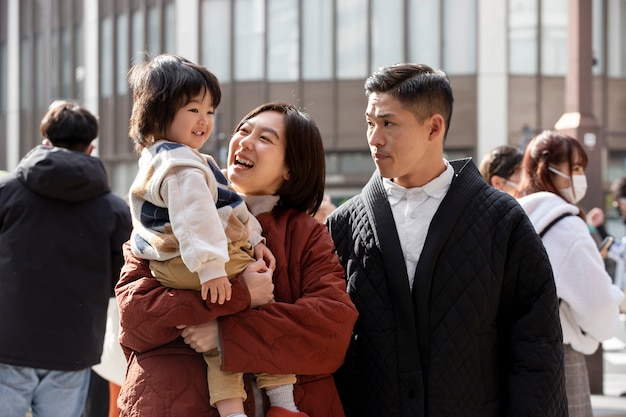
pixel 306 332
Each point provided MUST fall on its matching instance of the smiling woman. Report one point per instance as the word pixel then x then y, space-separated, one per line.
pixel 196 232
pixel 276 162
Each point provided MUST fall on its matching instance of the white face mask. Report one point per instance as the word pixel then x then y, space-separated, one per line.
pixel 576 191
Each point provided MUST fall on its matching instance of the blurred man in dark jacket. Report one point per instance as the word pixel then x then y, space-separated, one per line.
pixel 61 235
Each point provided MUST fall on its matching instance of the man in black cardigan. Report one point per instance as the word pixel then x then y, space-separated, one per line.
pixel 458 312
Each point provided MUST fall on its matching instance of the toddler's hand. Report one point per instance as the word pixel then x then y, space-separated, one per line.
pixel 219 288
pixel 262 252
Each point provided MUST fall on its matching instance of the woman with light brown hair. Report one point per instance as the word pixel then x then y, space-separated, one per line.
pixel 553 182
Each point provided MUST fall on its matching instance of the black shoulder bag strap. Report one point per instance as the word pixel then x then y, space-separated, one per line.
pixel 552 223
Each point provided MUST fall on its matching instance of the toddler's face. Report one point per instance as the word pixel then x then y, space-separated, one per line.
pixel 193 123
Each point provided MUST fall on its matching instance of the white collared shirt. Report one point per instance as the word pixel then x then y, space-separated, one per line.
pixel 413 210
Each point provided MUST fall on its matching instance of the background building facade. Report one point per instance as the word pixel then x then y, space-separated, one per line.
pixel 507 60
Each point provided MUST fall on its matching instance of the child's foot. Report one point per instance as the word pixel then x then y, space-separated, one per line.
pixel 283 412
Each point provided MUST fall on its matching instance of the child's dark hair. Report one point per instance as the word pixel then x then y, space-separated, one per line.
pixel 68 125
pixel 161 87
pixel 304 157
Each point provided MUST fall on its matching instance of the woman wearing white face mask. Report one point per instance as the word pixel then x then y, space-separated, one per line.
pixel 553 181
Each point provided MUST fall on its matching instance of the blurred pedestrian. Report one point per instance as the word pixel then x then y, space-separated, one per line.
pixel 618 197
pixel 553 182
pixel 61 235
pixel 501 168
pixel 326 207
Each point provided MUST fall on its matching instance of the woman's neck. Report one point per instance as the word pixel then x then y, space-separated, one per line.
pixel 258 204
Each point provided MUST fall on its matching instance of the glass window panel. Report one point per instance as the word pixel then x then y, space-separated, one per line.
pixel 317 40
pixel 357 162
pixel 215 37
pixel 169 29
pixel 597 41
pixel 616 165
pixel 40 73
pixel 67 69
pixel 459 36
pixel 617 39
pixel 523 29
pixel 122 54
pixel 138 41
pixel 153 31
pixel 332 163
pixel 249 40
pixel 424 32
pixel 282 40
pixel 106 57
pixel 554 37
pixel 352 38
pixel 387 33
pixel 79 71
pixel 52 72
pixel 26 86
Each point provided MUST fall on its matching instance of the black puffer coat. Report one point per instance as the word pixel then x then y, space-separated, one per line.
pixel 61 235
pixel 479 335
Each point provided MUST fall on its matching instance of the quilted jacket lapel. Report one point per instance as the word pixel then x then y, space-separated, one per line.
pixel 381 217
pixel 458 197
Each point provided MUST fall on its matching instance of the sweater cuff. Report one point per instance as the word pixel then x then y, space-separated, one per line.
pixel 211 271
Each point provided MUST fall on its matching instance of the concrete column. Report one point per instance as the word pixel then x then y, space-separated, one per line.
pixel 492 77
pixel 578 120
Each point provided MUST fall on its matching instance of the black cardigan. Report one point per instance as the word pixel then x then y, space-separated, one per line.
pixel 479 333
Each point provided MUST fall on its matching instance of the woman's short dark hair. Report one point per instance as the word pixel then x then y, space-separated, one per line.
pixel 502 161
pixel 304 157
pixel 161 87
pixel 68 125
pixel 548 149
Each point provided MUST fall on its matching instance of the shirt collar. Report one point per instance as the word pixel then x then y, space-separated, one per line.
pixel 435 188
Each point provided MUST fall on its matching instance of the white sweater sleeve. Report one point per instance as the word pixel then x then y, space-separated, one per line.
pixel 591 302
pixel 195 221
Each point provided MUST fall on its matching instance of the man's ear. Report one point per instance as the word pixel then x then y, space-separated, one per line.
pixel 437 126
pixel 90 149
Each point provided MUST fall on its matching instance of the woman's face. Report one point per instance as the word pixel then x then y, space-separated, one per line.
pixel 577 169
pixel 256 155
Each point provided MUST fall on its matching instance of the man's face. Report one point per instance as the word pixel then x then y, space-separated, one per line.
pixel 402 147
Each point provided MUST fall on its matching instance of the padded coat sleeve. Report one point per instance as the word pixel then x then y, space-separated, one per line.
pixel 150 312
pixel 536 379
pixel 308 329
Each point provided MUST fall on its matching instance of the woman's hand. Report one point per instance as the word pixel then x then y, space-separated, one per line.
pixel 201 338
pixel 258 278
